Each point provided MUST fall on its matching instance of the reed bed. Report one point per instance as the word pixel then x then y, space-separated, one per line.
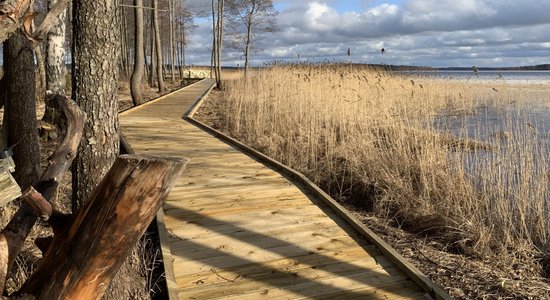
pixel 462 162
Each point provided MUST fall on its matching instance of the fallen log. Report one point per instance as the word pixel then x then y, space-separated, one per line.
pixel 82 260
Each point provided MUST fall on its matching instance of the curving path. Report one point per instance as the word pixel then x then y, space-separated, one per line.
pixel 234 228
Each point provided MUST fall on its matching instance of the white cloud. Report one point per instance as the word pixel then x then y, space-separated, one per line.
pixel 427 32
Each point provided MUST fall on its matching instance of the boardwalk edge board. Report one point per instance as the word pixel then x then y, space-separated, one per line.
pixel 414 273
pixel 152 101
pixel 166 252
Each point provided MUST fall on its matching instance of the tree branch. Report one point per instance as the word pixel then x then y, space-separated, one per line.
pixel 12 13
pixel 15 13
pixel 50 20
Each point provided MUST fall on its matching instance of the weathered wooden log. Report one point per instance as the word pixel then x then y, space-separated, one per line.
pixel 9 190
pixel 41 207
pixel 17 230
pixel 81 262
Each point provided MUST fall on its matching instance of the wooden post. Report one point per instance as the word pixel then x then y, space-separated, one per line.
pixel 81 261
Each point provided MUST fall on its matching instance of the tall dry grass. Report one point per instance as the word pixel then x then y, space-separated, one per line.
pixel 426 154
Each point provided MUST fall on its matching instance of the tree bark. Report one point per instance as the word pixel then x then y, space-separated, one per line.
pixel 20 110
pixel 124 57
pixel 213 58
pixel 172 38
pixel 248 40
pixel 105 229
pixel 221 4
pixel 139 60
pixel 158 48
pixel 95 77
pixel 153 69
pixel 56 69
pixel 40 74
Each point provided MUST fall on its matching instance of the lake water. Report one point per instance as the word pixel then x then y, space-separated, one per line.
pixel 519 130
pixel 513 77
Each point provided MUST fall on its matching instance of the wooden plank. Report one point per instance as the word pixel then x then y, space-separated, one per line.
pixel 194 231
pixel 283 279
pixel 405 289
pixel 287 264
pixel 231 200
pixel 167 258
pixel 9 189
pixel 222 245
pixel 289 214
pixel 253 256
pixel 344 284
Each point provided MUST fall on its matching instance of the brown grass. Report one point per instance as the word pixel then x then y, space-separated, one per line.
pixel 414 151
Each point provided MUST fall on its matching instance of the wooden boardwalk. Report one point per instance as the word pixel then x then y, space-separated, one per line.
pixel 237 229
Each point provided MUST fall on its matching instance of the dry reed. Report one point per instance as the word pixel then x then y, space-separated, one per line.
pixel 426 154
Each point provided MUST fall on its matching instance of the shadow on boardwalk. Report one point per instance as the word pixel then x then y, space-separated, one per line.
pixel 367 282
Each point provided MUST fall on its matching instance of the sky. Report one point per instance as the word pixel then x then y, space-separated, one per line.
pixel 438 33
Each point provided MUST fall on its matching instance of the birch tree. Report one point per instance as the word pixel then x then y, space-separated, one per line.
pixel 56 70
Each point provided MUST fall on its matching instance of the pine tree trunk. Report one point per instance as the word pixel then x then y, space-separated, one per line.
pixel 213 58
pixel 172 37
pixel 152 70
pixel 95 77
pixel 20 108
pixel 139 60
pixel 158 48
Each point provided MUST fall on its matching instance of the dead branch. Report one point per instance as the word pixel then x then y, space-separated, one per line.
pixel 17 230
pixel 15 13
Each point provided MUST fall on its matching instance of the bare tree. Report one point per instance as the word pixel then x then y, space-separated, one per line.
pixel 139 59
pixel 218 8
pixel 247 17
pixel 158 47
